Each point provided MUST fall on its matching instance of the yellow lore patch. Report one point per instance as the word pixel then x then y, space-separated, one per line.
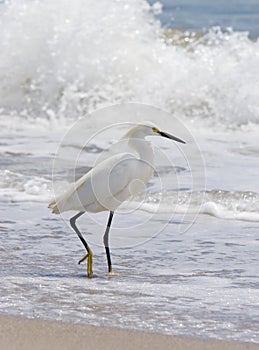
pixel 156 130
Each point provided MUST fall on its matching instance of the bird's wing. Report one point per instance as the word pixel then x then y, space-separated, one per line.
pixel 104 187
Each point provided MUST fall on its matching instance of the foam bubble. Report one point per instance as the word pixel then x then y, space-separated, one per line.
pixel 22 188
pixel 231 205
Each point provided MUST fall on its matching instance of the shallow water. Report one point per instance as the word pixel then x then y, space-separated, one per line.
pixel 197 279
pixel 202 283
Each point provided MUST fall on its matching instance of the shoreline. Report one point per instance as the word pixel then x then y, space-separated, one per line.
pixel 22 333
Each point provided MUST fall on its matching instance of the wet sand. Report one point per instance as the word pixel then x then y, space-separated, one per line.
pixel 20 333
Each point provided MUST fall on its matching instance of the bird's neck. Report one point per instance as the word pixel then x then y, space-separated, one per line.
pixel 143 148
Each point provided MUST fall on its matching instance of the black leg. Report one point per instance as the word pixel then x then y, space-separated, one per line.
pixel 89 255
pixel 106 242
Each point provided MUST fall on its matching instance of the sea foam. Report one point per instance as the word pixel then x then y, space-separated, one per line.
pixel 65 59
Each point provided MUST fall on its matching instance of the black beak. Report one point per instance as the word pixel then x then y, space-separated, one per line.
pixel 171 137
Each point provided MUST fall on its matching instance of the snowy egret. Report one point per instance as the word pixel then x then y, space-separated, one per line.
pixel 110 183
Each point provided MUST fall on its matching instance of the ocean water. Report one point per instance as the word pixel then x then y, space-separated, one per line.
pixel 201 14
pixel 185 251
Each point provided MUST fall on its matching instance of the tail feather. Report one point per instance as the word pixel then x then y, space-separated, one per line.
pixel 54 206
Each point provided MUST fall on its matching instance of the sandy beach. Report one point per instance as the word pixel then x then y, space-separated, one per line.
pixel 19 333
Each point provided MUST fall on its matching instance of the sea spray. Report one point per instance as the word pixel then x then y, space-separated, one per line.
pixel 62 60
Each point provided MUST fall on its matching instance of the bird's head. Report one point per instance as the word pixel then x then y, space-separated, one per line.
pixel 148 129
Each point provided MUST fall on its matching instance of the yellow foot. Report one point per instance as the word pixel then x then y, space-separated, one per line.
pixel 111 273
pixel 89 266
pixel 83 259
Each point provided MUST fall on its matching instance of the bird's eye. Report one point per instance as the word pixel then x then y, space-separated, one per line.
pixel 155 130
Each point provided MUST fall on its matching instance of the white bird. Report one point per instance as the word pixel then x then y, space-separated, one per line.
pixel 111 182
